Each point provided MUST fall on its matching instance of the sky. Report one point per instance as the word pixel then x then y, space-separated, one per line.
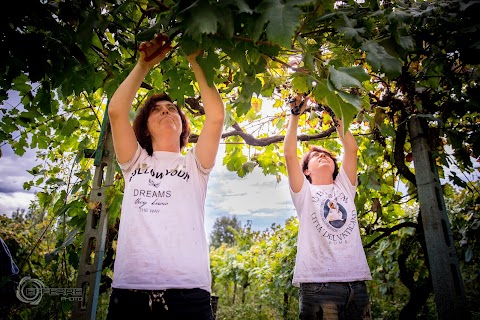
pixel 256 197
pixel 13 175
pixel 13 172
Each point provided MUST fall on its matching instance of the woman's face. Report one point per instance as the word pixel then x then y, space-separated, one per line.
pixel 164 118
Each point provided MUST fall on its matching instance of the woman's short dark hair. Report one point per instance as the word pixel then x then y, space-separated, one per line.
pixel 307 157
pixel 141 119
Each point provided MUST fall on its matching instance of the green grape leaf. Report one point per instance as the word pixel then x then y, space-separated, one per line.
pixel 282 20
pixel 406 42
pixel 342 109
pixel 246 168
pixel 351 99
pixel 342 79
pixel 20 84
pixel 357 72
pixel 299 83
pixel 243 7
pixel 70 126
pixel 209 65
pixel 381 61
pixel 203 19
pixel 44 101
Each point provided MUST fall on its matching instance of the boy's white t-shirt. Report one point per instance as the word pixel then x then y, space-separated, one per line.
pixel 329 247
pixel 161 240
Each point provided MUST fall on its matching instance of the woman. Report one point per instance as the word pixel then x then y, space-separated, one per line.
pixel 331 267
pixel 161 267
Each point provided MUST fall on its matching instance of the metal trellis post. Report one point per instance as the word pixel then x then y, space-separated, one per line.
pixel 444 267
pixel 93 248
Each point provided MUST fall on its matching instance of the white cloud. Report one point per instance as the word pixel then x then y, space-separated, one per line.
pixel 248 195
pixel 13 169
pixel 12 201
pixel 255 197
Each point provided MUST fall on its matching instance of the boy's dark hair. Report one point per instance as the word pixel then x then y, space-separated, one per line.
pixel 307 156
pixel 140 123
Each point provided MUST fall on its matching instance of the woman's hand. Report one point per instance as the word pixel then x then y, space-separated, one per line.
pixel 154 51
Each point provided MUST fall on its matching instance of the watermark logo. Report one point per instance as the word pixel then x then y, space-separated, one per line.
pixel 31 291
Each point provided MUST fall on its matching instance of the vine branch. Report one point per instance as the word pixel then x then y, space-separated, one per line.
pixel 389 231
pixel 262 142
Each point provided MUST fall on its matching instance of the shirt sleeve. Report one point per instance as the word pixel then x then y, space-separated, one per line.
pixel 343 181
pixel 301 196
pixel 197 162
pixel 129 165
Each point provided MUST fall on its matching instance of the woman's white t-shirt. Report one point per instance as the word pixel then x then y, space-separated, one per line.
pixel 161 241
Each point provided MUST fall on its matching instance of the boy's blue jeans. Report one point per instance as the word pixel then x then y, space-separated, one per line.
pixel 334 301
pixel 181 304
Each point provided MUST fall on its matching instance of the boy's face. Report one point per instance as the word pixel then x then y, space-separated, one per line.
pixel 320 163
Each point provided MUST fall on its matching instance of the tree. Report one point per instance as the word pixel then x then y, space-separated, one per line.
pixel 223 231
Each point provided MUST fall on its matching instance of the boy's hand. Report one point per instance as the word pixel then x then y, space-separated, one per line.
pixel 340 128
pixel 298 104
pixel 193 56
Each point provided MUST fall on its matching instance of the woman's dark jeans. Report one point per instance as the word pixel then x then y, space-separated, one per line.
pixel 334 300
pixel 167 304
